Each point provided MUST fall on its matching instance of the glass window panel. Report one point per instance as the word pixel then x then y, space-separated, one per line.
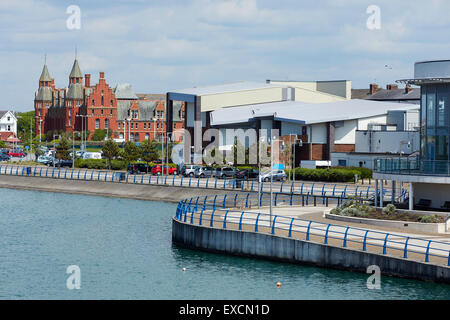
pixel 442 148
pixel 431 107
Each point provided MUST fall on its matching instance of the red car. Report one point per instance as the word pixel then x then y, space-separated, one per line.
pixel 157 170
pixel 16 154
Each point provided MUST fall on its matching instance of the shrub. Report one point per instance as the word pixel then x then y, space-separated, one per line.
pixel 429 219
pixel 363 173
pixel 100 164
pixel 390 209
pixel 327 175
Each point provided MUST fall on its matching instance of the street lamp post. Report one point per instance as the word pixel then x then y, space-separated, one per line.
pixel 54 148
pixel 259 169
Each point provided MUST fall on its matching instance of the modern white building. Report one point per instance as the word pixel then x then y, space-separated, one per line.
pixel 8 122
pixel 327 130
pixel 428 174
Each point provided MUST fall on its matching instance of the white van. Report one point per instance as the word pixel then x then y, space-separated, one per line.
pixel 92 155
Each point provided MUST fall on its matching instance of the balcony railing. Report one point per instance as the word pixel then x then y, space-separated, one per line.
pixel 412 166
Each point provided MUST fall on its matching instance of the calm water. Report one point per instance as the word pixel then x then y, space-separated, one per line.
pixel 124 250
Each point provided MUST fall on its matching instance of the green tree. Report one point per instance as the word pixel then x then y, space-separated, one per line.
pixel 99 135
pixel 150 151
pixel 111 151
pixel 2 144
pixel 131 152
pixel 63 150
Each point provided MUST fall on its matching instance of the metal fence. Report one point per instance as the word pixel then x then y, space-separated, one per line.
pixel 285 187
pixel 412 166
pixel 231 212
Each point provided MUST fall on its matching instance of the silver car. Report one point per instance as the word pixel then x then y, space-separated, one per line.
pixel 277 175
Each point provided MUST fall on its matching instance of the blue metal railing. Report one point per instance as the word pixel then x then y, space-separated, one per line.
pixel 382 242
pixel 209 183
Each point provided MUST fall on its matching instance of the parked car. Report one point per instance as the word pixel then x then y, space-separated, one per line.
pixel 225 172
pixel 92 155
pixel 4 157
pixel 278 175
pixel 204 172
pixel 158 170
pixel 16 153
pixel 60 163
pixel 189 170
pixel 44 160
pixel 247 174
pixel 137 168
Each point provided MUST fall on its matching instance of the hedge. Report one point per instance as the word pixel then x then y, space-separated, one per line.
pixel 363 173
pixel 102 164
pixel 326 175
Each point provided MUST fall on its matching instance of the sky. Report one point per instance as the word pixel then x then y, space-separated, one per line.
pixel 159 46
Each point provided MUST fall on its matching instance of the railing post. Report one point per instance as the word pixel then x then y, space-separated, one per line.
pixel 345 190
pixel 301 190
pixel 246 200
pixel 307 231
pixel 192 216
pixel 365 241
pixel 281 187
pixel 211 223
pixel 224 201
pixel 204 203
pixel 150 179
pixel 405 252
pixel 290 199
pixel 334 189
pixel 240 221
pixel 290 228
pixel 225 220
pixel 207 180
pixel 201 216
pixel 326 235
pixel 273 224
pixel 292 187
pixel 198 182
pixel 276 198
pixel 312 189
pixel 256 223
pixel 214 203
pixel 345 237
pixel 323 188
pixel 427 253
pixel 235 199
pixel 173 180
pixel 181 183
pixel 190 179
pixel 215 184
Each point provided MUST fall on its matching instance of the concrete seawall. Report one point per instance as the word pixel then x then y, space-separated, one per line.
pixel 106 189
pixel 271 247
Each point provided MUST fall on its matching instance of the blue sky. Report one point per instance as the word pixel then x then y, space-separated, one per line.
pixel 159 46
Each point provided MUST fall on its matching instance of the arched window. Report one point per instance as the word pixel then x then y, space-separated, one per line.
pixel 97 123
pixel 136 137
pixel 147 136
pixel 131 137
pixel 106 123
pixel 121 136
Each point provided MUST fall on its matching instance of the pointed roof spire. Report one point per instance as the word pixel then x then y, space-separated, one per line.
pixel 76 72
pixel 45 76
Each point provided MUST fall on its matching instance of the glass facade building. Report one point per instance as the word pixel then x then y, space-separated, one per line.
pixel 435 122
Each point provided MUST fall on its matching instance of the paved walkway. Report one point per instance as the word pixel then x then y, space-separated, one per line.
pixel 318 229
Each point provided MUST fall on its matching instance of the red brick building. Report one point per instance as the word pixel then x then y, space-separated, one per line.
pixel 82 107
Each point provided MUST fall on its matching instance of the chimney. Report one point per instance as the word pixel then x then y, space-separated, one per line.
pixel 373 88
pixel 408 89
pixel 391 87
pixel 87 80
pixel 53 83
